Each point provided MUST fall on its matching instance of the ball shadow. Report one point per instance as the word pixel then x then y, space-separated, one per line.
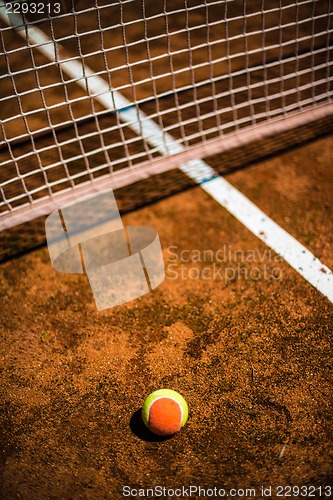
pixel 141 431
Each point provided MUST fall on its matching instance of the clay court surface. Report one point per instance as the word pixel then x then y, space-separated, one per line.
pixel 251 356
pixel 240 334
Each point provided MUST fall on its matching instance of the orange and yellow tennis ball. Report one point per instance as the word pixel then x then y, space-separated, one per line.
pixel 165 412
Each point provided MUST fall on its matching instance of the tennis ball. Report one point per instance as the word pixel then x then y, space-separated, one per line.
pixel 164 412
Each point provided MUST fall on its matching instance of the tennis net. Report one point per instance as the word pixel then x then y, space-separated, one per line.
pixel 106 94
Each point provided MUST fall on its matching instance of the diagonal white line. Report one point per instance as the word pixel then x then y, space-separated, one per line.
pixel 262 226
pixel 293 252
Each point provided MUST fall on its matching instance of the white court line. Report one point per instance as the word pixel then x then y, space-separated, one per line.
pixel 262 226
pixel 297 256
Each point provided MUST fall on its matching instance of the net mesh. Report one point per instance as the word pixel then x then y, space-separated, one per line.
pixel 201 70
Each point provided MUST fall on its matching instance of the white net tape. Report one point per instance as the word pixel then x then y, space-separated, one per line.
pixel 79 92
